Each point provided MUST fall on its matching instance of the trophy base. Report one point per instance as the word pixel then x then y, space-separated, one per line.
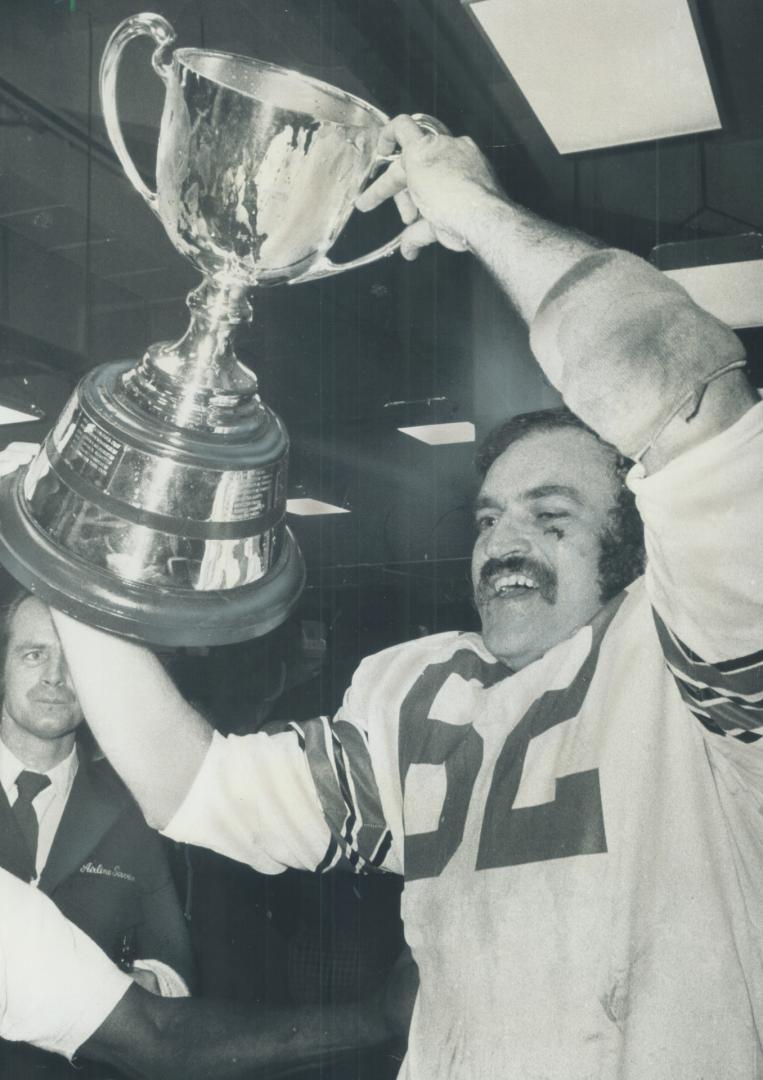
pixel 146 612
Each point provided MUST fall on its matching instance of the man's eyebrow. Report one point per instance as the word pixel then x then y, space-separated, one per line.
pixel 543 490
pixel 481 502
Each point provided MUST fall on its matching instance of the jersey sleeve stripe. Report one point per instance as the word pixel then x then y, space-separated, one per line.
pixel 329 860
pixel 742 734
pixel 340 765
pixel 371 826
pixel 735 733
pixel 725 712
pixel 351 816
pixel 726 697
pixel 378 857
pixel 313 733
pixel 702 692
pixel 754 660
pixel 300 736
pixel 739 664
pixel 743 676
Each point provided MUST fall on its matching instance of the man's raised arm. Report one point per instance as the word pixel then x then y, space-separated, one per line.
pixel 627 348
pixel 153 737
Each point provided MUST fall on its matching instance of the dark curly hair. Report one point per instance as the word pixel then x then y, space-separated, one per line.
pixel 622 555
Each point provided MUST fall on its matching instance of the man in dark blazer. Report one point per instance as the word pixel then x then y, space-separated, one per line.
pixel 69 826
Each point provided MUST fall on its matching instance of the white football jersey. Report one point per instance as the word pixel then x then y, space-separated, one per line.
pixel 582 841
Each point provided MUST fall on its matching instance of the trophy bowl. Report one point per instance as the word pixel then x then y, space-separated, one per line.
pixel 156 506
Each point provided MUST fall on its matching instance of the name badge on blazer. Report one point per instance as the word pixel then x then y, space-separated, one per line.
pixel 106 871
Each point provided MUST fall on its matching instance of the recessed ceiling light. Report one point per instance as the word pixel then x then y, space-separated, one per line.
pixel 16 416
pixel 602 72
pixel 311 507
pixel 459 431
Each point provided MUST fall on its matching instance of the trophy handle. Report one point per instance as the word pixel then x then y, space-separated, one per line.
pixel 159 29
pixel 325 267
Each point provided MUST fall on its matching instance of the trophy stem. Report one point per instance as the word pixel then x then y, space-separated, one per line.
pixel 198 382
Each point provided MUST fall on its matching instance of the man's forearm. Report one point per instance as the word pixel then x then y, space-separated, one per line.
pixel 165 1039
pixel 270 1037
pixel 525 254
pixel 151 736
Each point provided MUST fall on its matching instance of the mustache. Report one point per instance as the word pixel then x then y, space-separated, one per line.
pixel 542 575
pixel 65 697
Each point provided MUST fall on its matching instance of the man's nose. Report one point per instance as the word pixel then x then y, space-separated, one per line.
pixel 508 536
pixel 55 671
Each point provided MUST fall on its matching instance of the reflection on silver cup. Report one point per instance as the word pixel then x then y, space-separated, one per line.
pixel 156 507
pixel 258 172
pixel 258 168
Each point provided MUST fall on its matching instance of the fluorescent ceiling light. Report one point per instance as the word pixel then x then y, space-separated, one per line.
pixel 602 72
pixel 733 292
pixel 16 416
pixel 460 431
pixel 722 274
pixel 310 507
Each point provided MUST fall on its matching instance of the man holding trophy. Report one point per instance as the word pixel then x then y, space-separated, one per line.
pixel 574 795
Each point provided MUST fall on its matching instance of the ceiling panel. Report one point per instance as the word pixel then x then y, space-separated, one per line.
pixel 599 73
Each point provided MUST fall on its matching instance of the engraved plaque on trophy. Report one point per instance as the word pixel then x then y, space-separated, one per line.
pixel 156 506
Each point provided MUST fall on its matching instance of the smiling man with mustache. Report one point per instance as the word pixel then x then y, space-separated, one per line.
pixel 557 532
pixel 575 795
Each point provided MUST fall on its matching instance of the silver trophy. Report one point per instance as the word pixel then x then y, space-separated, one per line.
pixel 156 506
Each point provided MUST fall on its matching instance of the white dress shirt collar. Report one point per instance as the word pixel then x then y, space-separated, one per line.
pixel 61 776
pixel 49 805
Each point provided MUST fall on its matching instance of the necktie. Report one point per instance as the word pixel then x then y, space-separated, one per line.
pixel 29 785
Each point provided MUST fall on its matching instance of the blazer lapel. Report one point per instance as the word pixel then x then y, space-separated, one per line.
pixel 15 857
pixel 88 815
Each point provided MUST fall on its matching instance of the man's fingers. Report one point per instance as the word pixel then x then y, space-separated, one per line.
pixel 416 236
pixel 23 449
pixel 147 979
pixel 389 183
pixel 401 131
pixel 15 455
pixel 406 207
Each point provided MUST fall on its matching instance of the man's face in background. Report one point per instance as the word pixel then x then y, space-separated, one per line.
pixel 39 698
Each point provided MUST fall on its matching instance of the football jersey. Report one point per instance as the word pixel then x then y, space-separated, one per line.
pixel 582 840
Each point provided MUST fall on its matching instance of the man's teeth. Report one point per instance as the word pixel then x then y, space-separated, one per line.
pixel 505 582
